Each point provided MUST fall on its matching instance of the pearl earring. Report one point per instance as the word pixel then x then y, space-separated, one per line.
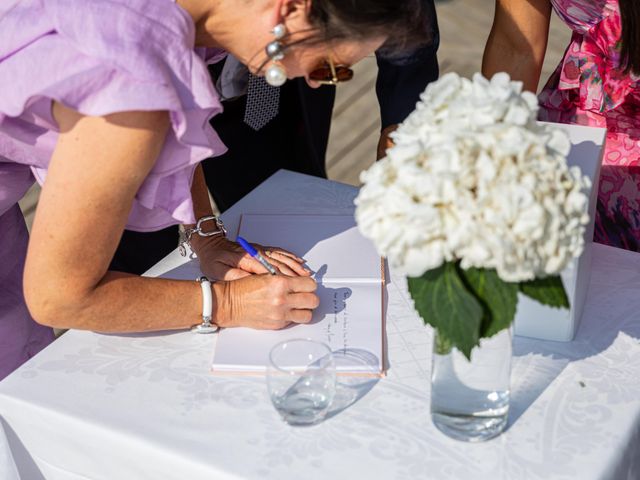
pixel 275 74
pixel 279 31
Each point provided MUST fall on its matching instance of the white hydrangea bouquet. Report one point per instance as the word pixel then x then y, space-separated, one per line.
pixel 474 203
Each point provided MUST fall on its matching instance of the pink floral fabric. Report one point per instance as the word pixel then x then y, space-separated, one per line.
pixel 590 88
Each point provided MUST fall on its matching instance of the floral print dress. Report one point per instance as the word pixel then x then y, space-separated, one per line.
pixel 589 88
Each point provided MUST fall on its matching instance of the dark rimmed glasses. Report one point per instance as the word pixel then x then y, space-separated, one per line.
pixel 331 74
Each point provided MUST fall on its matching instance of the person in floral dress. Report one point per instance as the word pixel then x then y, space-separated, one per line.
pixel 595 84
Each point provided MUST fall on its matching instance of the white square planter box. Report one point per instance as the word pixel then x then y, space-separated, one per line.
pixel 539 321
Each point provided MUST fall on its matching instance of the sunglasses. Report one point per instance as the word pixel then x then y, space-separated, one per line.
pixel 330 74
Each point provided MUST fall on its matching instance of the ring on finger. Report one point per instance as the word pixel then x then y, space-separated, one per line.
pixel 267 253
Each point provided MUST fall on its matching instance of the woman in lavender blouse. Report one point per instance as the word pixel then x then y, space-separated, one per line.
pixel 106 104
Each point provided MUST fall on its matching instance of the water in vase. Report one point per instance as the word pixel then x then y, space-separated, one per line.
pixel 470 399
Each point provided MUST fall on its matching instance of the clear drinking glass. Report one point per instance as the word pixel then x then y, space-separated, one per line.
pixel 301 377
pixel 470 399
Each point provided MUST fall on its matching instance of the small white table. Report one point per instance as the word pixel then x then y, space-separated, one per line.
pixel 145 406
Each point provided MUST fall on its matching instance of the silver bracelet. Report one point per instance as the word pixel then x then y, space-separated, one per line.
pixel 187 233
pixel 207 308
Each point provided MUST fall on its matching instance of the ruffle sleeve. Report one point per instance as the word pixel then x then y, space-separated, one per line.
pixel 105 56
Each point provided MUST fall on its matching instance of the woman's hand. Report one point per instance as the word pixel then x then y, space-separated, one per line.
pixel 265 301
pixel 222 259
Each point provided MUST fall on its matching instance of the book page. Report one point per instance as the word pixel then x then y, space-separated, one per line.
pixel 349 320
pixel 332 245
pixel 349 273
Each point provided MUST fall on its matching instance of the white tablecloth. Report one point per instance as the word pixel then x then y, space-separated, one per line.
pixel 8 468
pixel 145 406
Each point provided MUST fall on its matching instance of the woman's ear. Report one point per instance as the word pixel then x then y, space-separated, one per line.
pixel 294 7
pixel 294 14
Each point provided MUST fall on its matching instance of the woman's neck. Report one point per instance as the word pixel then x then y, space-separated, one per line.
pixel 202 14
pixel 237 26
pixel 216 21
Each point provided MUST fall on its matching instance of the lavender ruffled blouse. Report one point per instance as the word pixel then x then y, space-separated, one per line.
pixel 96 57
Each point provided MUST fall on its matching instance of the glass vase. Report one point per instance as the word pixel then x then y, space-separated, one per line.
pixel 470 399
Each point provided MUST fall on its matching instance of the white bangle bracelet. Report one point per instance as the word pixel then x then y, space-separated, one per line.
pixel 207 307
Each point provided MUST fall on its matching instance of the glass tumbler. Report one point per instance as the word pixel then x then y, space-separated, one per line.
pixel 301 377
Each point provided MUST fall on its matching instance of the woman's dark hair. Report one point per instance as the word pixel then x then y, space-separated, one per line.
pixel 630 39
pixel 405 23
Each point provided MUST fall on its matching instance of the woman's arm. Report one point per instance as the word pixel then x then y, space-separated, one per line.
pixel 97 167
pixel 518 40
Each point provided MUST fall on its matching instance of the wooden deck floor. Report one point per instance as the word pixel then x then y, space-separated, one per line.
pixel 464 27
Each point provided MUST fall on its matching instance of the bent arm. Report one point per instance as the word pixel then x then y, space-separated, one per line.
pixel 97 167
pixel 518 40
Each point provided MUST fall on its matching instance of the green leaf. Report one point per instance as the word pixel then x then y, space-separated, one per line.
pixel 497 297
pixel 548 291
pixel 444 303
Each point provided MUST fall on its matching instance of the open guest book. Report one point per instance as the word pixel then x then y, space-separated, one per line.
pixel 350 276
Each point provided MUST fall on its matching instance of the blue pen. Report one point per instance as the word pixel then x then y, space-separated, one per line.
pixel 255 254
